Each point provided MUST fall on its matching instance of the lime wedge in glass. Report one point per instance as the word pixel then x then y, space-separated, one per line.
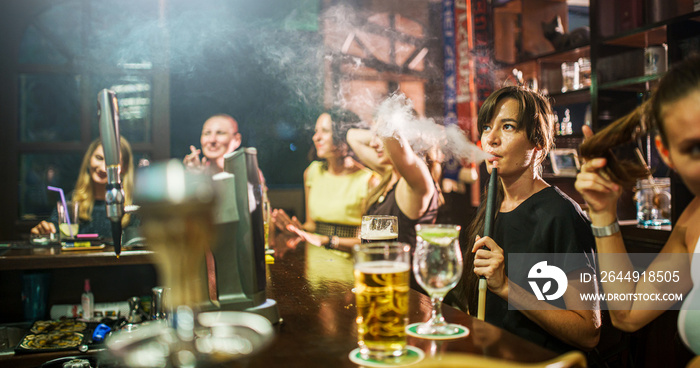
pixel 438 235
pixel 66 231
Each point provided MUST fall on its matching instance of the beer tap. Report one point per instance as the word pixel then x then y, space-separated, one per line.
pixel 108 115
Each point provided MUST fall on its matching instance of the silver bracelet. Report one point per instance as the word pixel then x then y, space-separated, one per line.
pixel 603 231
pixel 335 242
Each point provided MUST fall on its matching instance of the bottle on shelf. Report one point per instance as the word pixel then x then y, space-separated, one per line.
pixel 87 301
pixel 566 125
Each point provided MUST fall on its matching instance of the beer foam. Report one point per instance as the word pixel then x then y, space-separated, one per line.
pixel 376 267
pixel 380 235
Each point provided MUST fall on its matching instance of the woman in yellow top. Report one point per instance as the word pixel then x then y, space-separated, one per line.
pixel 336 186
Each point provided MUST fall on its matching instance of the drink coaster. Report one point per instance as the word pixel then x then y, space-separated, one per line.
pixel 460 331
pixel 413 355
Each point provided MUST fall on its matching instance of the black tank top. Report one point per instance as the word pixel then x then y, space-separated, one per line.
pixel 407 226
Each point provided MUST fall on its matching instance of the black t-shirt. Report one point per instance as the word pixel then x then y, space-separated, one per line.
pixel 547 222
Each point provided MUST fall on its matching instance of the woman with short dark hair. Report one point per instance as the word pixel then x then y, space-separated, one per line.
pixel 530 217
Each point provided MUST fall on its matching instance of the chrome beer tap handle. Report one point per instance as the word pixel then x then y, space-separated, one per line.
pixel 108 114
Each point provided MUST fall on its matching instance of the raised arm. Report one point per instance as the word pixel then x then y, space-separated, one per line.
pixel 414 192
pixel 601 194
pixel 359 141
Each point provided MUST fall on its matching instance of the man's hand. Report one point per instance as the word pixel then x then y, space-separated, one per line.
pixel 192 159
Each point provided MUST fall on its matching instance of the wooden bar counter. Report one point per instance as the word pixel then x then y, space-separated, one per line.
pixel 312 287
pixel 29 258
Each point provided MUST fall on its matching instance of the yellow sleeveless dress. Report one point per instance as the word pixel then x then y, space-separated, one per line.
pixel 336 199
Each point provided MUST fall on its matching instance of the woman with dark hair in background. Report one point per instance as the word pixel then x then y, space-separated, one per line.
pixel 674 110
pixel 89 193
pixel 531 217
pixel 337 187
pixel 407 189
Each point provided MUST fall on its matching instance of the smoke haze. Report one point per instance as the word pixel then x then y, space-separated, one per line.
pixel 396 118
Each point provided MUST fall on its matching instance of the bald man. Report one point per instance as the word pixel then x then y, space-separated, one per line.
pixel 219 136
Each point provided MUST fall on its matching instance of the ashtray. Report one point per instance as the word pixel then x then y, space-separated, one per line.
pixel 44 239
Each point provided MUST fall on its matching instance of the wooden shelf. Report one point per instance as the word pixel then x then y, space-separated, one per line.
pixel 635 84
pixel 649 30
pixel 565 55
pixel 556 57
pixel 568 97
pixel 26 258
pixel 639 39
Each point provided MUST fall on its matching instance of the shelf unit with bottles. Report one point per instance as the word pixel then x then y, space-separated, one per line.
pixel 525 56
pixel 627 86
pixel 626 64
pixel 622 35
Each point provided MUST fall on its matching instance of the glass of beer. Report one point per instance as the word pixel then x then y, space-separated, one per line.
pixel 379 228
pixel 267 213
pixel 381 295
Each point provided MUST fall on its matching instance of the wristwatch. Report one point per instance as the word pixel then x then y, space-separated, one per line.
pixel 603 231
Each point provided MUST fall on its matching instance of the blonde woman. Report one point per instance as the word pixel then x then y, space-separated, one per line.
pixel 90 190
pixel 408 189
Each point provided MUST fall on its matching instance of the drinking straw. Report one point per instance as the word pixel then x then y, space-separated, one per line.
pixel 488 222
pixel 65 207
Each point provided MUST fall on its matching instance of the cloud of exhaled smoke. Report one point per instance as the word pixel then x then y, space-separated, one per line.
pixel 396 118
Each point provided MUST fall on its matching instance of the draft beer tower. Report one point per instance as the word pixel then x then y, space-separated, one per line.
pixel 235 269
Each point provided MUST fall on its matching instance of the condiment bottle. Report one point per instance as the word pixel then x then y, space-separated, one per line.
pixel 88 302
